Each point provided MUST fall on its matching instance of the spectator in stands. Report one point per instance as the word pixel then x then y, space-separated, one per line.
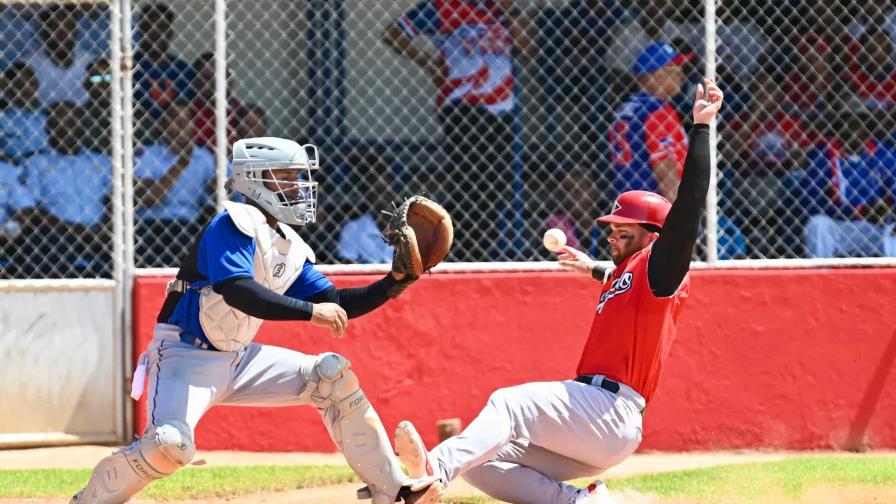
pixel 848 185
pixel 572 211
pixel 23 121
pixel 98 134
pixel 251 121
pixel 874 77
pixel 574 68
pixel 812 86
pixel 772 139
pixel 204 103
pixel 59 66
pixel 16 210
pixel 474 72
pixel 825 22
pixel 72 187
pixel 160 77
pixel 648 141
pixel 765 146
pixel 173 182
pixel 361 238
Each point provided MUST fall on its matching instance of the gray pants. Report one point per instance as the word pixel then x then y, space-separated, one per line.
pixel 185 381
pixel 530 438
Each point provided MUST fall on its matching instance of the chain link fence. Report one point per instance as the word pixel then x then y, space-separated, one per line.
pixel 518 116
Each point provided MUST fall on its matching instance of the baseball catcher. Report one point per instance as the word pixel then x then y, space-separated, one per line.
pixel 246 266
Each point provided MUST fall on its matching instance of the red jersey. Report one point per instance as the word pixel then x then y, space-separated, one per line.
pixel 204 121
pixel 632 330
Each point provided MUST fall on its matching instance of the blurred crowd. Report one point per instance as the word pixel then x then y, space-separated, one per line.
pixel 807 164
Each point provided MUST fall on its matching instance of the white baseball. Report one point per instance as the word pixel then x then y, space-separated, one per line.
pixel 554 239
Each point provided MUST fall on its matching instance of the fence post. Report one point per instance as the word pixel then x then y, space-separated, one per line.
pixel 127 154
pixel 712 196
pixel 118 239
pixel 221 119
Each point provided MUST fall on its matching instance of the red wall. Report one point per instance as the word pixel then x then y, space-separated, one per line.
pixel 793 359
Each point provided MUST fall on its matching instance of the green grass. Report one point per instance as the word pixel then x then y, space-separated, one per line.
pixel 193 483
pixel 753 482
pixel 788 477
pixel 749 482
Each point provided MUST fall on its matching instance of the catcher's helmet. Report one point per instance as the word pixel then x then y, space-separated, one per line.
pixel 256 161
pixel 638 207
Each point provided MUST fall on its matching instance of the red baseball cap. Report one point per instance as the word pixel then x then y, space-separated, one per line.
pixel 638 207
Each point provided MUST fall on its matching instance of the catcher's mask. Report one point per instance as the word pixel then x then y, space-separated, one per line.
pixel 278 175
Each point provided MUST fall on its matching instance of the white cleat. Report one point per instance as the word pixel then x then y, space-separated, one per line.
pixel 76 498
pixel 595 493
pixel 411 451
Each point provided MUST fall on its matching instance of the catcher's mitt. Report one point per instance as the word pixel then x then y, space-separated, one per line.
pixel 421 233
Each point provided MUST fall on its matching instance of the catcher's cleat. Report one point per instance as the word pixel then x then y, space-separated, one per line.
pixel 595 493
pixel 411 451
pixel 427 490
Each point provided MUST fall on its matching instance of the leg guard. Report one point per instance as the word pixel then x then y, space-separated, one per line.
pixel 354 425
pixel 163 450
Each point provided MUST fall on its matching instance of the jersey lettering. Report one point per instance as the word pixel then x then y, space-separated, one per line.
pixel 619 287
pixel 622 149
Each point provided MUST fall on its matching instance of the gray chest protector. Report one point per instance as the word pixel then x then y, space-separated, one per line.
pixel 278 262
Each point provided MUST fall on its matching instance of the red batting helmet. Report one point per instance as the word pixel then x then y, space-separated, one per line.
pixel 638 207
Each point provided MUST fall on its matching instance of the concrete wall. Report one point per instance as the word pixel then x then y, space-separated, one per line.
pixel 796 359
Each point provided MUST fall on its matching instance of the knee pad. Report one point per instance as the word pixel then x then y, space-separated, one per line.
pixel 335 384
pixel 164 449
pixel 357 429
pixel 116 478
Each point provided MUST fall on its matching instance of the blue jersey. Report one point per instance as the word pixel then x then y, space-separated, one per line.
pixel 845 183
pixel 73 187
pixel 225 253
pixel 646 131
pixel 886 152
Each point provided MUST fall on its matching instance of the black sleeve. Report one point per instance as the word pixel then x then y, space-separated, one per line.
pixel 358 301
pixel 671 255
pixel 252 298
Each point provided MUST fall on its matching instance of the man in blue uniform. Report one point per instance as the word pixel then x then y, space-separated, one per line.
pixel 247 265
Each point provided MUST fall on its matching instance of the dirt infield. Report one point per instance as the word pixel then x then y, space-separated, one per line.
pixel 642 463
